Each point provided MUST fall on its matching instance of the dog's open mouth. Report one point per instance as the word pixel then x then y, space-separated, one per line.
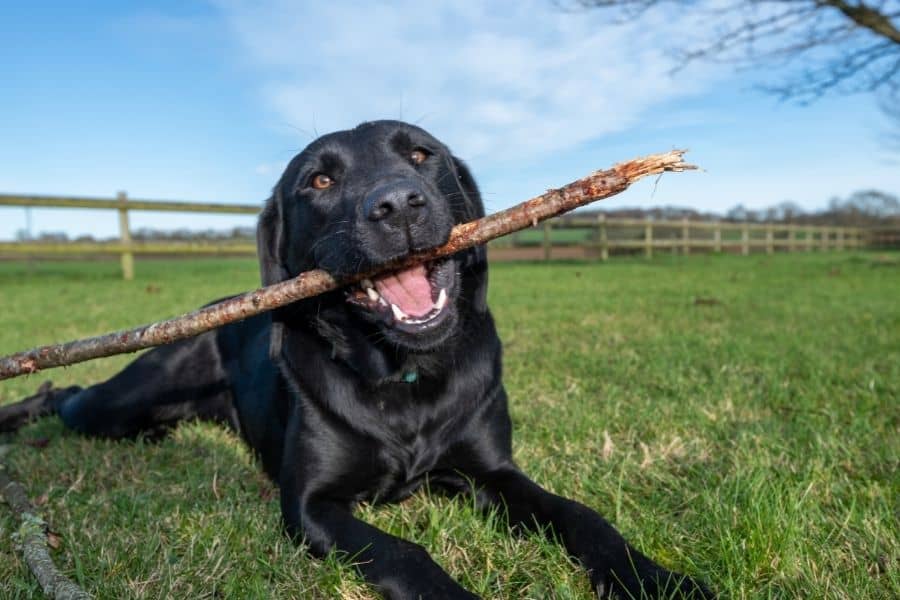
pixel 412 300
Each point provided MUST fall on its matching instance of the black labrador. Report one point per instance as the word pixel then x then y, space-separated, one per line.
pixel 366 393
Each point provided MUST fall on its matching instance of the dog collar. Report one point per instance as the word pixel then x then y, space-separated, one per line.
pixel 402 376
pixel 408 375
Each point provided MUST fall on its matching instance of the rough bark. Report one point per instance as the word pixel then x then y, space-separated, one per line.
pixel 599 185
pixel 31 535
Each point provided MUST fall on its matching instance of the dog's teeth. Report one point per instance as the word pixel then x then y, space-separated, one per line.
pixel 373 295
pixel 398 314
pixel 367 284
pixel 442 300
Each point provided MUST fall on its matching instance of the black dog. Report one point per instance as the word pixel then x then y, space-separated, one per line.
pixel 364 393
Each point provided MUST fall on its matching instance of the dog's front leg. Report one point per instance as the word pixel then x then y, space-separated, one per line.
pixel 397 568
pixel 616 569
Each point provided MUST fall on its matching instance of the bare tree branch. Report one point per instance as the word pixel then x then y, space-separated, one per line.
pixel 597 186
pixel 32 536
pixel 838 46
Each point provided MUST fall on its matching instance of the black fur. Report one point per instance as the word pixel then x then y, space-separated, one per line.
pixel 342 406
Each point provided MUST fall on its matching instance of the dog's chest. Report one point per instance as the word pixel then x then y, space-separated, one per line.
pixel 403 473
pixel 418 428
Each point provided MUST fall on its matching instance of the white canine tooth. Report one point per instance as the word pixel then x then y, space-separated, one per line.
pixel 442 300
pixel 373 295
pixel 398 314
pixel 367 284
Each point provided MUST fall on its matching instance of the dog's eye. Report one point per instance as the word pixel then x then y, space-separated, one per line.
pixel 418 156
pixel 321 181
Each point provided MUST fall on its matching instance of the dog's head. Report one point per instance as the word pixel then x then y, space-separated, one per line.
pixel 353 200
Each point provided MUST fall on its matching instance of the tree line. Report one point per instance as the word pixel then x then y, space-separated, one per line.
pixel 146 234
pixel 865 208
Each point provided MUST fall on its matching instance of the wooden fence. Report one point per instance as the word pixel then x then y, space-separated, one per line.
pixel 565 237
pixel 600 237
pixel 125 247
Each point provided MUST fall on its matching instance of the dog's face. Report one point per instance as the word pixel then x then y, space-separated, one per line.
pixel 353 200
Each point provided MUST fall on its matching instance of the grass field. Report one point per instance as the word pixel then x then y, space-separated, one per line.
pixel 736 417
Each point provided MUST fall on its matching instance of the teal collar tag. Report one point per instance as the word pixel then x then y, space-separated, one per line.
pixel 410 376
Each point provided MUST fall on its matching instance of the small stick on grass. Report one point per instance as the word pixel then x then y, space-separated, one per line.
pixel 599 185
pixel 32 535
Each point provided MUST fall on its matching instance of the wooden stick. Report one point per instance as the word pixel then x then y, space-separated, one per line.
pixel 32 535
pixel 599 185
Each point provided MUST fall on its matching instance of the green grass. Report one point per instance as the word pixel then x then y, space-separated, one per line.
pixel 534 237
pixel 750 439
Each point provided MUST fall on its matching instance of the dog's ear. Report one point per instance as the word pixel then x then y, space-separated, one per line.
pixel 270 249
pixel 468 189
pixel 476 258
pixel 270 242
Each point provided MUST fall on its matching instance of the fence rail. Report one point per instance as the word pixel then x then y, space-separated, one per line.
pixel 599 236
pixel 565 237
pixel 121 201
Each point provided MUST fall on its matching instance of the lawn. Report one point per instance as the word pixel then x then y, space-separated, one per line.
pixel 735 417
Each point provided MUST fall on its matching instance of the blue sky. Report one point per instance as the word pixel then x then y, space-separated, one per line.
pixel 207 101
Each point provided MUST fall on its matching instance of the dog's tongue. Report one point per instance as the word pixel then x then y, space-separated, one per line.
pixel 409 290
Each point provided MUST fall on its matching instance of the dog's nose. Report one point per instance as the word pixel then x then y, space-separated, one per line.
pixel 395 201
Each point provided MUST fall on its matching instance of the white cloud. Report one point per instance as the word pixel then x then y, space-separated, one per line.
pixel 269 169
pixel 499 81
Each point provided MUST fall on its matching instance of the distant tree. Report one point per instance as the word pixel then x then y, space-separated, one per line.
pixel 787 211
pixel 243 233
pixel 53 236
pixel 842 46
pixel 736 213
pixel 861 208
pixel 871 205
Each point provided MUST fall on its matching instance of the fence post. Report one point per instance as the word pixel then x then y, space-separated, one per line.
pixel 602 236
pixel 840 238
pixel 792 237
pixel 546 241
pixel 823 233
pixel 810 234
pixel 685 236
pixel 648 238
pixel 717 237
pixel 745 240
pixel 770 238
pixel 125 237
